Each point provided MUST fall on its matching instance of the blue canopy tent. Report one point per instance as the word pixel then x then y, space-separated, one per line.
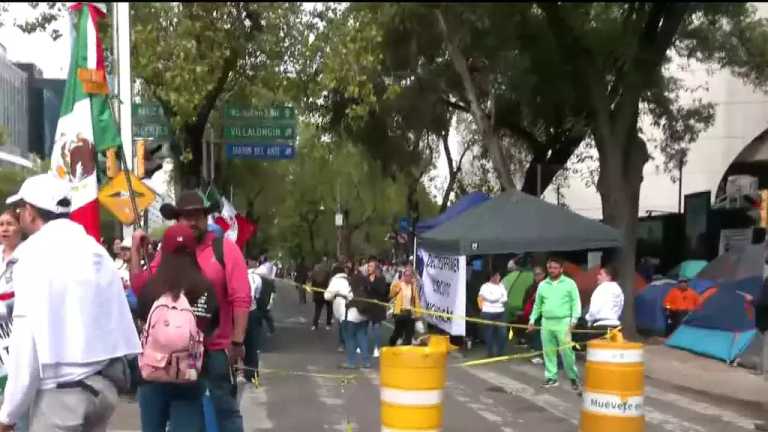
pixel 724 326
pixel 463 204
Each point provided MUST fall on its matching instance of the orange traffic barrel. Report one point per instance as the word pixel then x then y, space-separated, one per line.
pixel 412 382
pixel 613 386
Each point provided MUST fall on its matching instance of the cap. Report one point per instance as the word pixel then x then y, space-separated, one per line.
pixel 126 243
pixel 178 237
pixel 44 191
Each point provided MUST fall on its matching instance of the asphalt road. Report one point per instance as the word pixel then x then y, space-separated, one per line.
pixel 298 396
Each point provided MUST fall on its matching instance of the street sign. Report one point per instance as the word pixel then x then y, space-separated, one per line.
pixel 149 121
pixel 262 151
pixel 265 132
pixel 115 198
pixel 270 114
pixel 405 224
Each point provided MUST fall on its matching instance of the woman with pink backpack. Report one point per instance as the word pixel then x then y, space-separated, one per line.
pixel 179 310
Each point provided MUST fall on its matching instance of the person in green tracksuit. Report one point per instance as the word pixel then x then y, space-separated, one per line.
pixel 559 306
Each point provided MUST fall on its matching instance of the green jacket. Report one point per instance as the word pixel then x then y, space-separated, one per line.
pixel 557 300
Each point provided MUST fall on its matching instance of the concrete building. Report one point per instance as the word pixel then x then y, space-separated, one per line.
pixel 14 107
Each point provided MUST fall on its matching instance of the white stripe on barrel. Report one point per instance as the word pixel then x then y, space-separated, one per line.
pixel 607 355
pixel 402 397
pixel 613 405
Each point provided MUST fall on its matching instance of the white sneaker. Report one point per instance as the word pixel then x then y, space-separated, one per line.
pixel 358 350
pixel 537 360
pixel 376 353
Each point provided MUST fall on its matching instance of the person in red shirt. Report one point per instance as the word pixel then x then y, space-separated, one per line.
pixel 533 339
pixel 224 349
pixel 680 301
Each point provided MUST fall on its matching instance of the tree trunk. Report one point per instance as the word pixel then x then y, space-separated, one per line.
pixel 191 171
pixel 621 175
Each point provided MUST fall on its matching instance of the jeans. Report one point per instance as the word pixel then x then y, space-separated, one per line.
pixel 318 309
pixel 405 328
pixel 377 334
pixel 217 376
pixel 179 404
pixel 252 344
pixel 356 336
pixel 495 336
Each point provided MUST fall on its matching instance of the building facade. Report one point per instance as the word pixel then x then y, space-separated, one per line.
pixel 14 107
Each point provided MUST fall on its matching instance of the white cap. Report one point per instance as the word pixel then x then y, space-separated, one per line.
pixel 127 242
pixel 44 191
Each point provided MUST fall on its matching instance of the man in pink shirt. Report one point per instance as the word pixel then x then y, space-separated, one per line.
pixel 225 347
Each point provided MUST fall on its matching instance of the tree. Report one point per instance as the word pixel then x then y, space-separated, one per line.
pixel 618 54
pixel 191 57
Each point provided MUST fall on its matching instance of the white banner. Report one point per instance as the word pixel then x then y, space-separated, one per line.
pixel 444 289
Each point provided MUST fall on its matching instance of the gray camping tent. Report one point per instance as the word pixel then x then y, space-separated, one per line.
pixel 517 222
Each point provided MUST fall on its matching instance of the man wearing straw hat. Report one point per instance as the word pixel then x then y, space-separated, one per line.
pixel 224 349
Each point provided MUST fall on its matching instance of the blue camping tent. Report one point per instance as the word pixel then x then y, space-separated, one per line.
pixel 724 326
pixel 649 304
pixel 649 307
pixel 463 204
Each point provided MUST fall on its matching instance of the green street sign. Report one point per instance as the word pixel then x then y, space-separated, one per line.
pixel 266 114
pixel 149 130
pixel 144 112
pixel 262 133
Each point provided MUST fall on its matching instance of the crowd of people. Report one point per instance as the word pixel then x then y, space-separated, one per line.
pixel 343 290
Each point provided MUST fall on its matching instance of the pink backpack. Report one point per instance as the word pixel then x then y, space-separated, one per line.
pixel 172 345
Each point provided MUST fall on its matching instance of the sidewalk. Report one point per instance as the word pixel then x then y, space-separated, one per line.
pixel 701 374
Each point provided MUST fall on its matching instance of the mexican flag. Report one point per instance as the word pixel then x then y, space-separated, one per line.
pixel 235 226
pixel 86 124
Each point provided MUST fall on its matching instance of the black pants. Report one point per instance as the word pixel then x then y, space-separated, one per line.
pixel 267 317
pixel 674 319
pixel 252 344
pixel 319 308
pixel 302 293
pixel 405 327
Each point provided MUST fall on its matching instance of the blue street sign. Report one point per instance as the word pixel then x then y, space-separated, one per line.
pixel 261 151
pixel 405 224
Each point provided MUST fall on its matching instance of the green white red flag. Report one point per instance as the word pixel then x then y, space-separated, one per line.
pixel 86 125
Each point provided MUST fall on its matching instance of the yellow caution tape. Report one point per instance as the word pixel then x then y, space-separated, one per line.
pixel 453 316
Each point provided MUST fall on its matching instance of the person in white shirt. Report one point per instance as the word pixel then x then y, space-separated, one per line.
pixel 354 325
pixel 492 300
pixel 607 301
pixel 70 318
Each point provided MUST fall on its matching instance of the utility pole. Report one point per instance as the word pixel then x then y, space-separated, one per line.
pixel 680 186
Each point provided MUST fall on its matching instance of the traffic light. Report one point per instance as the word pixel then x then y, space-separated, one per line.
pixel 113 165
pixel 148 159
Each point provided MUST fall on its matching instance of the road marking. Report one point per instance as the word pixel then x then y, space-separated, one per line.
pixel 700 407
pixel 330 393
pixel 482 405
pixel 666 422
pixel 516 388
pixel 253 407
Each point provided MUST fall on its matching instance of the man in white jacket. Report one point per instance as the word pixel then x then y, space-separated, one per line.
pixel 607 301
pixel 354 325
pixel 70 318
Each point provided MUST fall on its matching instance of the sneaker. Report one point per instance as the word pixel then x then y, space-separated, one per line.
pixel 358 350
pixel 340 348
pixel 550 383
pixel 314 328
pixel 537 360
pixel 347 366
pixel 328 327
pixel 376 353
pixel 575 386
